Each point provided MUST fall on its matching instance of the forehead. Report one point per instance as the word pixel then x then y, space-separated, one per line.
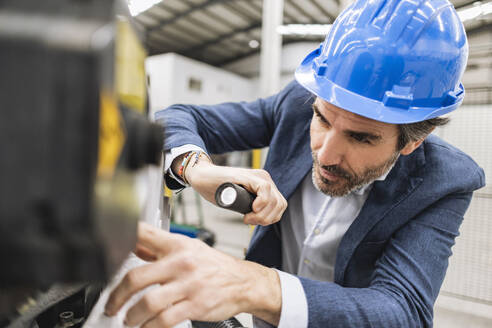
pixel 348 120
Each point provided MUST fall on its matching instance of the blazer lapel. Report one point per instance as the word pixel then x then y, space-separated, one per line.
pixel 384 197
pixel 294 161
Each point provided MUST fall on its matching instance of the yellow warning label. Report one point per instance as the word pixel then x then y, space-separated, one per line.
pixel 130 67
pixel 111 135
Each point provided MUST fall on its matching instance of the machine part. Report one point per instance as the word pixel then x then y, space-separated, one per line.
pixel 144 145
pixel 391 61
pixel 234 197
pixel 67 319
pixel 229 323
pixel 67 199
pixel 43 309
pixel 130 67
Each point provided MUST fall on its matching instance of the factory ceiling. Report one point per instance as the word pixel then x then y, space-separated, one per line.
pixel 219 32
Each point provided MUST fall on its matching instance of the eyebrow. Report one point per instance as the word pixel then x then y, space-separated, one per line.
pixel 352 133
pixel 316 110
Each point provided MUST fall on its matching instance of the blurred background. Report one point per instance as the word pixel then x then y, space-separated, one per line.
pixel 210 51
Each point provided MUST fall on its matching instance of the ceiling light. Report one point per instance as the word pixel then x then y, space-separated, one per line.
pixel 254 44
pixel 477 10
pixel 304 29
pixel 138 6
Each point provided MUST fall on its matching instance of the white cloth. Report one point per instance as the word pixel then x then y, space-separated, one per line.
pixel 97 318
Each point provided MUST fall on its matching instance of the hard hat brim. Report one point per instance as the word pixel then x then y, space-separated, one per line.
pixel 363 106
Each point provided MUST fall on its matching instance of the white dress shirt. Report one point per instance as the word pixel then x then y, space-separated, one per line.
pixel 311 231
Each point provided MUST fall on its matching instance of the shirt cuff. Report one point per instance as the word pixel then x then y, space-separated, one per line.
pixel 294 313
pixel 171 156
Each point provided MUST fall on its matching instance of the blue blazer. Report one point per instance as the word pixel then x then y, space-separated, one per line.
pixel 391 262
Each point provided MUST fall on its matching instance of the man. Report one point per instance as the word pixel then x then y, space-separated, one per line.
pixel 374 201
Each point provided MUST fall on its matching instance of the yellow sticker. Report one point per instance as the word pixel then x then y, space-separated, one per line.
pixel 131 84
pixel 111 135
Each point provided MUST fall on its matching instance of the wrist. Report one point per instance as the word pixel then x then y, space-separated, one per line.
pixel 197 168
pixel 184 163
pixel 263 293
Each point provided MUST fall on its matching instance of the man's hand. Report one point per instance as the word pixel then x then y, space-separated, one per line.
pixel 196 282
pixel 269 204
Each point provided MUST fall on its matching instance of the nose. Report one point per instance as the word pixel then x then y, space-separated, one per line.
pixel 332 150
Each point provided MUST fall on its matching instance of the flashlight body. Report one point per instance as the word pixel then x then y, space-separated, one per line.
pixel 241 201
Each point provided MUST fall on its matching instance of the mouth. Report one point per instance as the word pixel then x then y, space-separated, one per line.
pixel 329 176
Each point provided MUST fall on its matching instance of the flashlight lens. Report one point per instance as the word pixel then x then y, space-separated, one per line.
pixel 228 195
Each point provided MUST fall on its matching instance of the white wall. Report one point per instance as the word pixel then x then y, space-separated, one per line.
pixel 479 71
pixel 169 78
pixel 292 55
pixel 466 294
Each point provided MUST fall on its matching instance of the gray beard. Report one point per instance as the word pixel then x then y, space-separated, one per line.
pixel 351 183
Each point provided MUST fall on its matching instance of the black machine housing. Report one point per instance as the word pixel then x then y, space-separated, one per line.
pixel 61 219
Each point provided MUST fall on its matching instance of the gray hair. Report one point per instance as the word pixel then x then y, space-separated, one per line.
pixel 419 130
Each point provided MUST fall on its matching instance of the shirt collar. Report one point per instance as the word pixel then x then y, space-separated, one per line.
pixel 367 187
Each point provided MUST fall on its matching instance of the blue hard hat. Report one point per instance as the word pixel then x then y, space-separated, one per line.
pixel 394 61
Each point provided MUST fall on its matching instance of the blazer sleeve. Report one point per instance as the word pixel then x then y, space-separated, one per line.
pixel 223 127
pixel 407 278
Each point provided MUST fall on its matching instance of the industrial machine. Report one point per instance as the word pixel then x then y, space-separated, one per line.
pixel 73 133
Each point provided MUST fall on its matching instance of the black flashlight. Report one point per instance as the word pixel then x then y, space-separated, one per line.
pixel 234 197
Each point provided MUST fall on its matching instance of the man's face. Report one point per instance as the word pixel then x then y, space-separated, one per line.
pixel 349 150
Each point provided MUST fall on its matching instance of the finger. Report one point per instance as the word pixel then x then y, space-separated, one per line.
pixel 156 240
pixel 268 215
pixel 257 219
pixel 145 254
pixel 252 180
pixel 264 195
pixel 264 189
pixel 135 280
pixel 251 218
pixel 154 302
pixel 259 203
pixel 170 317
pixel 275 214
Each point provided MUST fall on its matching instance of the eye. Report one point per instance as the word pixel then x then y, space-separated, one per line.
pixel 360 138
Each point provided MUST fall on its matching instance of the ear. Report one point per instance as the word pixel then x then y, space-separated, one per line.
pixel 410 147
